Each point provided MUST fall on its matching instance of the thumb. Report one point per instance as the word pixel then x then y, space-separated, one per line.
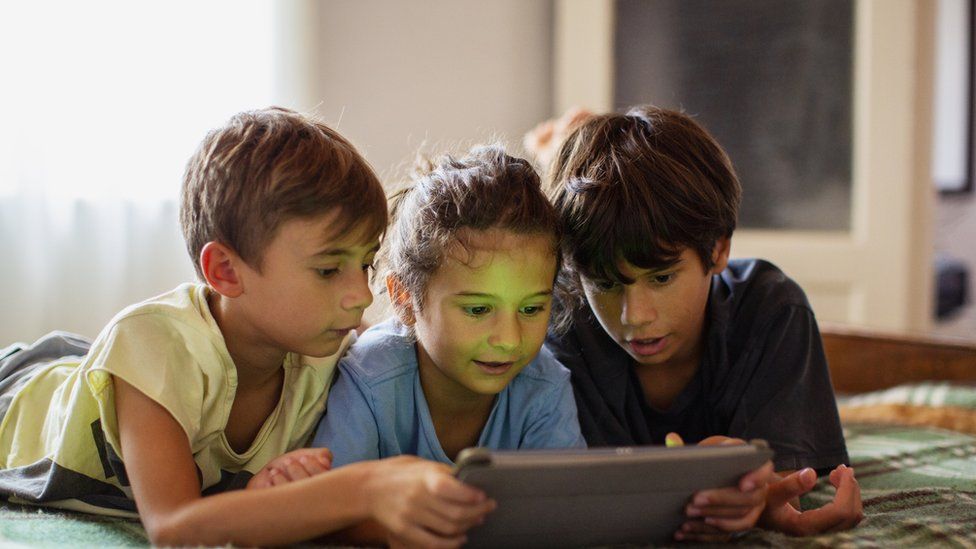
pixel 793 486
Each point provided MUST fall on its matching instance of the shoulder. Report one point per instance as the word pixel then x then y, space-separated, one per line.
pixel 755 283
pixel 382 353
pixel 175 324
pixel 750 300
pixel 183 310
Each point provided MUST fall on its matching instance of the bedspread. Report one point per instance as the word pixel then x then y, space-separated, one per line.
pixel 918 487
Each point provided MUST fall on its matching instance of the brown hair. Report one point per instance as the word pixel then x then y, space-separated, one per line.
pixel 639 187
pixel 486 189
pixel 265 167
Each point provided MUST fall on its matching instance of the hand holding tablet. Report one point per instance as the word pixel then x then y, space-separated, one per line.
pixel 560 498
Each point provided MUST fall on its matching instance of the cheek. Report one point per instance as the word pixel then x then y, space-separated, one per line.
pixel 606 307
pixel 438 334
pixel 534 329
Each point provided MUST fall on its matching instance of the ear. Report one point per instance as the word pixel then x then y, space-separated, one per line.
pixel 401 300
pixel 219 265
pixel 720 255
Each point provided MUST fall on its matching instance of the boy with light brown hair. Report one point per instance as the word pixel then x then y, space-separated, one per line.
pixel 188 395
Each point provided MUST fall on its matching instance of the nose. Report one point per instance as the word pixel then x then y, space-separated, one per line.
pixel 506 333
pixel 637 308
pixel 358 294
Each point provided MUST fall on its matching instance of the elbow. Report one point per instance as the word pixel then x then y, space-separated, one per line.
pixel 161 535
pixel 165 533
pixel 174 531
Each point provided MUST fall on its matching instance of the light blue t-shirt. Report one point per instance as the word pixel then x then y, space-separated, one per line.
pixel 377 407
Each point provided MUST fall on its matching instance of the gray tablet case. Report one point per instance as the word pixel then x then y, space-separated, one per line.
pixel 578 498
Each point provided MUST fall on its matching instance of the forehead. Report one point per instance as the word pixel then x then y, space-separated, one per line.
pixel 684 256
pixel 321 233
pixel 498 262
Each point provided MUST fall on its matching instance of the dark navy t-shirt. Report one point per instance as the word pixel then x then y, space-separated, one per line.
pixel 763 375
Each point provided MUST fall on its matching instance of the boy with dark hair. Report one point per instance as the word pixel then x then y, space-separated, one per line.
pixel 665 333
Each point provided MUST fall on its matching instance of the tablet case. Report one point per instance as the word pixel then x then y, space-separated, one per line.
pixel 577 498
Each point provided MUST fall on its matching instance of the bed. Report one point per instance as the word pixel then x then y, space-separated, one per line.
pixel 908 406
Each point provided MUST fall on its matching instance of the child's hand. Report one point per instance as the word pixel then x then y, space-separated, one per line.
pixel 716 514
pixel 843 513
pixel 420 503
pixel 544 140
pixel 295 465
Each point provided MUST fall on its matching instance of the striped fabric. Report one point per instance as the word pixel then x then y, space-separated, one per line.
pixel 935 394
pixel 918 486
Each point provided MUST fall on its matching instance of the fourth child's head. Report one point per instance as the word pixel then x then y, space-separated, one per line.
pixel 472 255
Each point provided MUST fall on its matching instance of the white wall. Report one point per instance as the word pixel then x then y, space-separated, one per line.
pixel 440 72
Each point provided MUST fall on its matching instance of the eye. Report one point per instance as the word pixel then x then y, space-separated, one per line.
pixel 367 267
pixel 477 310
pixel 532 310
pixel 604 285
pixel 663 279
pixel 327 273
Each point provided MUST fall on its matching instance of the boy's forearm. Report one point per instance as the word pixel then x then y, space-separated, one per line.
pixel 272 516
pixel 368 533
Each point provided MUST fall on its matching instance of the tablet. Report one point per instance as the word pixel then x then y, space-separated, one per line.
pixel 599 496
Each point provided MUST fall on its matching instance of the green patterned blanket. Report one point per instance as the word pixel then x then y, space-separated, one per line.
pixel 918 486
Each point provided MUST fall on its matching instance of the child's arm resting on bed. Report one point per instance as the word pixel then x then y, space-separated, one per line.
pixel 416 501
pixel 843 513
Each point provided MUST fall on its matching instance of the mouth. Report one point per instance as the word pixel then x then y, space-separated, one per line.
pixel 341 332
pixel 649 346
pixel 494 368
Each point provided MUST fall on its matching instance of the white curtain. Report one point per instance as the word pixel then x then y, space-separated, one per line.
pixel 101 104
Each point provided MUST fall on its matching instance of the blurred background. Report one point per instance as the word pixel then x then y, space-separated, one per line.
pixel 849 122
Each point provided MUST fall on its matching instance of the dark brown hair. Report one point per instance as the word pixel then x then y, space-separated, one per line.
pixel 639 187
pixel 486 189
pixel 267 166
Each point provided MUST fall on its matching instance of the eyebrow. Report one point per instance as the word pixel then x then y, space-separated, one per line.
pixel 332 252
pixel 493 296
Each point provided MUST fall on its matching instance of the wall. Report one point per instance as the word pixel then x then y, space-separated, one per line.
pixel 392 76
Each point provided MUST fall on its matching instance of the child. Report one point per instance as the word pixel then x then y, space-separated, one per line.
pixel 472 256
pixel 665 333
pixel 192 392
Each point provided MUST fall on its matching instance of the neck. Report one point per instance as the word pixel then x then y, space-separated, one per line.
pixel 446 397
pixel 662 383
pixel 257 362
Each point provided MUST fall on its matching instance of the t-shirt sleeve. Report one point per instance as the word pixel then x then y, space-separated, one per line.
pixel 348 427
pixel 789 401
pixel 554 423
pixel 152 354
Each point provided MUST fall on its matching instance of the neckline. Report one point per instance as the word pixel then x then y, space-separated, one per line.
pixel 427 421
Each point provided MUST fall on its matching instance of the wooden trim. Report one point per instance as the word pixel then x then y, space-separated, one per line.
pixel 862 360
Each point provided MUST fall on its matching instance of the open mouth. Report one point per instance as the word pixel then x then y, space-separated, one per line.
pixel 648 346
pixel 494 368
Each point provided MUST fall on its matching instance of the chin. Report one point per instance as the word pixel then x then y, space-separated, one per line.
pixel 652 360
pixel 488 390
pixel 321 350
